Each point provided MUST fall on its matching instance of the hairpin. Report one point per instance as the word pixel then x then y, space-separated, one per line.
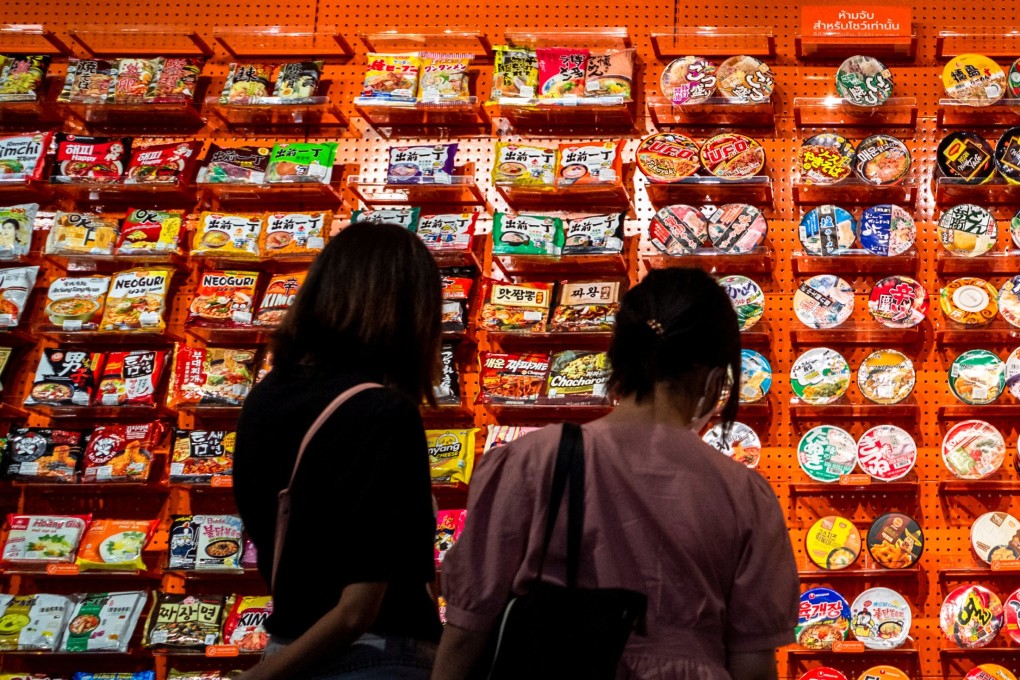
pixel 656 326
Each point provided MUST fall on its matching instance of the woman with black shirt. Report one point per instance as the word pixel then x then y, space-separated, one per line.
pixel 351 594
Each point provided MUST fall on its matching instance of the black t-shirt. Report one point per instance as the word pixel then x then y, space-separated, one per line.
pixel 361 505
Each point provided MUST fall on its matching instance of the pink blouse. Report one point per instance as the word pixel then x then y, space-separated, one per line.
pixel 666 515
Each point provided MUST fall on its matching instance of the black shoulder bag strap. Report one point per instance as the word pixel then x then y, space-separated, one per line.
pixel 569 465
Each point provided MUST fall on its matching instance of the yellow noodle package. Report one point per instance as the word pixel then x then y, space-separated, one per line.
pixel 451 455
pixel 444 77
pixel 137 301
pixel 233 235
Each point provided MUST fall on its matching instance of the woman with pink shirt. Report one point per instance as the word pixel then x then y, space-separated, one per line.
pixel 665 515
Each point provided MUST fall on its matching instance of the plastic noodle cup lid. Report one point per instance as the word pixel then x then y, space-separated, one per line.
pixel 881 618
pixel 967 156
pixel 824 301
pixel 864 81
pixel 755 376
pixel 1012 373
pixel 895 541
pixel 732 156
pixel 970 301
pixel 973 449
pixel 747 297
pixel 820 376
pixel 667 157
pixel 1007 155
pixel 826 453
pixel 822 618
pixel 989 671
pixel 967 230
pixel 742 444
pixel 833 543
pixel 1012 612
pixel 974 79
pixel 887 230
pixel 883 673
pixel 882 160
pixel 898 302
pixel 827 230
pixel 995 536
pixel 977 376
pixel 1014 229
pixel 1008 300
pixel 826 159
pixel 678 230
pixel 745 79
pixel 689 80
pixel 1013 80
pixel 886 452
pixel 736 228
pixel 886 376
pixel 823 673
pixel 971 616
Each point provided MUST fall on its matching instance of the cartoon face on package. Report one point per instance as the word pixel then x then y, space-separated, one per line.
pixel 245 625
pixel 227 235
pixel 421 164
pixel 593 235
pixel 391 77
pixel 200 455
pixel 526 234
pixel 131 378
pixel 224 298
pixel 524 164
pixel 65 377
pixel 135 77
pixel 162 163
pixel 610 74
pixel 33 622
pixel 103 622
pixel 561 72
pixel 43 538
pixel 151 232
pixel 294 233
pixel 447 232
pixel 16 222
pixel 302 162
pixel 36 454
pixel 22 157
pixel 21 77
pixel 444 76
pixel 89 159
pixel 298 80
pixel 15 286
pixel 76 233
pixel 213 375
pixel 77 304
pixel 246 84
pixel 235 165
pixel 451 455
pixel 89 81
pixel 515 74
pixel 120 453
pixel 177 80
pixel 137 301
pixel 590 163
pixel 278 298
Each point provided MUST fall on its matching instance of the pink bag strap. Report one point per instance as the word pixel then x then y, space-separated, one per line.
pixel 283 501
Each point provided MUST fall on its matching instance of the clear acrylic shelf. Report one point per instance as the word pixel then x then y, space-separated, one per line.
pixel 954 190
pixel 18 190
pixel 460 191
pixel 456 257
pixel 855 191
pixel 455 39
pixel 966 568
pixel 755 190
pixel 714 112
pixel 836 112
pixel 713 41
pixel 871 487
pixel 242 337
pixel 104 338
pixel 998 332
pixel 269 114
pixel 864 567
pixel 991 41
pixel 760 335
pixel 856 261
pixel 714 262
pixel 592 37
pixel 29 115
pixel 111 263
pixel 428 119
pixel 141 41
pixel 839 46
pixel 845 410
pixel 999 649
pixel 977 486
pixel 955 113
pixel 758 411
pixel 99 412
pixel 604 117
pixel 598 197
pixel 866 333
pixel 141 117
pixel 853 648
pixel 981 411
pixel 257 196
pixel 9 411
pixel 153 194
pixel 572 340
pixel 451 413
pixel 1000 262
pixel 284 42
pixel 527 266
pixel 31 39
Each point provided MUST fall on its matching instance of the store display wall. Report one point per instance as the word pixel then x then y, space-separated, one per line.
pixel 944 509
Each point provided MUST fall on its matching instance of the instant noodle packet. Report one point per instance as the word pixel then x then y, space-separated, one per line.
pixel 456 286
pixel 580 377
pixel 447 232
pixel 561 72
pixel 451 455
pixel 224 298
pixel 512 378
pixel 206 542
pixel 200 455
pixel 590 163
pixel 65 377
pixel 137 301
pixel 43 538
pixel 449 525
pixel 89 159
pixel 76 233
pixel 212 375
pixel 150 232
pixel 447 390
pixel 593 234
pixel 89 81
pixel 15 286
pixel 298 80
pixel 23 157
pixel 115 544
pixel 130 378
pixel 245 625
pixel 177 80
pixel 526 234
pixel 35 454
pixel 423 164
pixel 103 622
pixel 234 235
pixel 301 162
pixel 33 622
pixel 405 217
pixel 444 77
pixel 184 621
pixel 515 307
pixel 16 224
pixel 293 233
pixel 610 74
pixel 162 163
pixel 76 304
pixel 246 83
pixel 278 297
pixel 135 77
pixel 21 77
pixel 235 165
pixel 391 77
pixel 524 164
pixel 120 453
pixel 588 307
pixel 515 73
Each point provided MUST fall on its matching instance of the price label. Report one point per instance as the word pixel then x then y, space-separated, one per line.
pixel 222 481
pixel 62 569
pixel 221 651
pixel 847 646
pixel 855 480
pixel 1005 565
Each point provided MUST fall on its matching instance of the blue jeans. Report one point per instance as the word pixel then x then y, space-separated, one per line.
pixel 374 657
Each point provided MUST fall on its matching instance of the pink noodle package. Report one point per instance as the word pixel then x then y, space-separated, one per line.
pixel 561 72
pixel 449 524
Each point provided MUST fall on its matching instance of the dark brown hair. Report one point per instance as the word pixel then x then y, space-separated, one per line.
pixel 371 305
pixel 676 327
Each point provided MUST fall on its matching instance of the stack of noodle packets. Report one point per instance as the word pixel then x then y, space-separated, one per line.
pixel 428 77
pixel 295 83
pixel 560 73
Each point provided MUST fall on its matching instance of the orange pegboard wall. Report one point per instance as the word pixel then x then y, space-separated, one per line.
pixel 945 516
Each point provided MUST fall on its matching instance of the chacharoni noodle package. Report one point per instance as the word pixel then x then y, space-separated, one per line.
pixel 578 377
pixel 451 455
